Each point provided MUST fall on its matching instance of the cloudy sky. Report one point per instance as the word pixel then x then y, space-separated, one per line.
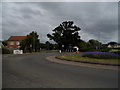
pixel 97 20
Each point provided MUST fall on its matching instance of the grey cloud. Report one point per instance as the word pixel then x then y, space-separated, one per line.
pixel 21 18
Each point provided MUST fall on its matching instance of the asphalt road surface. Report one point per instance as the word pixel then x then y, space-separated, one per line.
pixel 34 71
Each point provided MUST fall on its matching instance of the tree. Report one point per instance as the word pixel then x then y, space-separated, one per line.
pixel 4 42
pixel 94 43
pixel 42 45
pixel 23 45
pixel 31 43
pixel 34 42
pixel 65 34
pixel 112 43
pixel 48 45
pixel 82 44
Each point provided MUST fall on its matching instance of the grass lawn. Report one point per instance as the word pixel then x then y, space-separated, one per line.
pixel 114 50
pixel 79 57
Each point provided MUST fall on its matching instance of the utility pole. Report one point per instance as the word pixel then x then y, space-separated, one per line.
pixel 34 41
pixel 99 39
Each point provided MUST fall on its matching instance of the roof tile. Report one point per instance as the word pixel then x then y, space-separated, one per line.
pixel 16 38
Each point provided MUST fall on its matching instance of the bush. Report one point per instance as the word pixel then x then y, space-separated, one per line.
pixel 116 52
pixel 5 51
pixel 94 49
pixel 105 50
pixel 87 49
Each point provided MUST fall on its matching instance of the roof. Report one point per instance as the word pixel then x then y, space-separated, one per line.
pixel 104 44
pixel 16 38
pixel 75 47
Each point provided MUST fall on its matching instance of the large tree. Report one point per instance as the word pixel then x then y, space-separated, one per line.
pixel 65 34
pixel 31 43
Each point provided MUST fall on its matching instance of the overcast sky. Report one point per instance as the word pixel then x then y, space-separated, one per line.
pixel 97 21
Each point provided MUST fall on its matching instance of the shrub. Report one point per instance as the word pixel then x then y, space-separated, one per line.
pixel 94 49
pixel 105 50
pixel 117 51
pixel 5 51
pixel 87 49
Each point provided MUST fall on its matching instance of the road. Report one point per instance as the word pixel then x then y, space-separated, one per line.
pixel 34 71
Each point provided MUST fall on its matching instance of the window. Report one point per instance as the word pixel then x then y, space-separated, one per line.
pixel 17 43
pixel 11 43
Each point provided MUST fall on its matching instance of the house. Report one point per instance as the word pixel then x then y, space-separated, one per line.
pixel 104 45
pixel 114 46
pixel 117 45
pixel 110 46
pixel 14 41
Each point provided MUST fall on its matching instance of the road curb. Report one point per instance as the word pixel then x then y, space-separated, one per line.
pixel 83 61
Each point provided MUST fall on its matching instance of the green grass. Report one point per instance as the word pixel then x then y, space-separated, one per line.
pixel 114 50
pixel 79 57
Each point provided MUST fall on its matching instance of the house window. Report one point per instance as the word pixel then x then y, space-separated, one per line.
pixel 17 43
pixel 11 43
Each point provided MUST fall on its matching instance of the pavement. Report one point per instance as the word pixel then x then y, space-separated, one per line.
pixel 36 71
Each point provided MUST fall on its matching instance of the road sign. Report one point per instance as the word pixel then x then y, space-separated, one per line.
pixel 17 51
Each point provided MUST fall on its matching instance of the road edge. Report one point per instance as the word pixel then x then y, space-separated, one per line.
pixel 83 61
pixel 95 66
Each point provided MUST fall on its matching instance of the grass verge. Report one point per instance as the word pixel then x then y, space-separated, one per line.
pixel 80 58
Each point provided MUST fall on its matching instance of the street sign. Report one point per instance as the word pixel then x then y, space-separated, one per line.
pixel 17 51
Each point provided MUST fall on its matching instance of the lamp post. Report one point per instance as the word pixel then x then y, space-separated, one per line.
pixel 34 42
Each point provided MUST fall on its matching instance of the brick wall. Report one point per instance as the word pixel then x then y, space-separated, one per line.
pixel 13 44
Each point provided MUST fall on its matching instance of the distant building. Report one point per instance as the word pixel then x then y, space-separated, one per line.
pixel 14 41
pixel 114 46
pixel 117 46
pixel 104 45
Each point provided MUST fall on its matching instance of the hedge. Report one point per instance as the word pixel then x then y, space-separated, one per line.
pixel 5 51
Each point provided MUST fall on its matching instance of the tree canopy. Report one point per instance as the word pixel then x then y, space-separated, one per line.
pixel 4 42
pixel 48 45
pixel 112 43
pixel 65 34
pixel 94 43
pixel 31 43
